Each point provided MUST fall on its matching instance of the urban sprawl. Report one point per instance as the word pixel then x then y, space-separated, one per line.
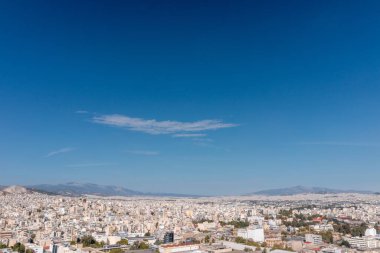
pixel 32 222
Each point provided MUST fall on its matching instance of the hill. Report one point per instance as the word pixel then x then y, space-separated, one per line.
pixel 304 190
pixel 78 189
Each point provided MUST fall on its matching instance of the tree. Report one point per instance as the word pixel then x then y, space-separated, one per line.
pixel 327 237
pixel 236 223
pixel 359 231
pixel 140 245
pixel 116 251
pixel 343 228
pixel 123 242
pixel 246 242
pixel 147 233
pixel 207 239
pixel 19 247
pixel 240 240
pixel 286 213
pixel 2 246
pixel 252 243
pixel 345 243
pixel 277 246
pixel 143 245
pixel 89 241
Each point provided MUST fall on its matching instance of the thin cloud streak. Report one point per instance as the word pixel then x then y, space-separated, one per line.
pixel 142 152
pixel 81 165
pixel 59 151
pixel 154 127
pixel 337 143
pixel 82 112
pixel 188 135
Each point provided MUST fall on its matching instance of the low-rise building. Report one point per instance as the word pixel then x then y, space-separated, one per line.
pixel 173 248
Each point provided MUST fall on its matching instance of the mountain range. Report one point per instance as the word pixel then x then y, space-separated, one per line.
pixel 303 190
pixel 80 189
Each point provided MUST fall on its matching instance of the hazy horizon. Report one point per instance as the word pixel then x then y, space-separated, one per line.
pixel 280 190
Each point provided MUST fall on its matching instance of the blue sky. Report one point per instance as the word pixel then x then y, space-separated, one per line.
pixel 204 97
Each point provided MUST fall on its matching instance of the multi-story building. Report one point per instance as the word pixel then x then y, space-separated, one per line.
pixel 314 239
pixel 255 234
pixel 169 237
pixel 365 242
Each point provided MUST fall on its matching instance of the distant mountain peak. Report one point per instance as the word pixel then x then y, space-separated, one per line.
pixel 77 189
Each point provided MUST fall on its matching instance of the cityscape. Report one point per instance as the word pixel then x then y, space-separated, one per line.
pixel 189 126
pixel 32 221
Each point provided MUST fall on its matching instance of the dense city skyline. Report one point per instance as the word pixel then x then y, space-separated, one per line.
pixel 196 97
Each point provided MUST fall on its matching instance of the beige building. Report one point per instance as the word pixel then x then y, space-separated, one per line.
pixel 172 248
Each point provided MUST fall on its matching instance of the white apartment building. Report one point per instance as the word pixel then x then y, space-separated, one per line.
pixel 314 239
pixel 322 227
pixel 365 242
pixel 370 232
pixel 255 234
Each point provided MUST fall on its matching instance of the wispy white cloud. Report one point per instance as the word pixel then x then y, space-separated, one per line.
pixel 338 143
pixel 81 112
pixel 188 135
pixel 59 151
pixel 143 152
pixel 208 143
pixel 80 165
pixel 152 126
